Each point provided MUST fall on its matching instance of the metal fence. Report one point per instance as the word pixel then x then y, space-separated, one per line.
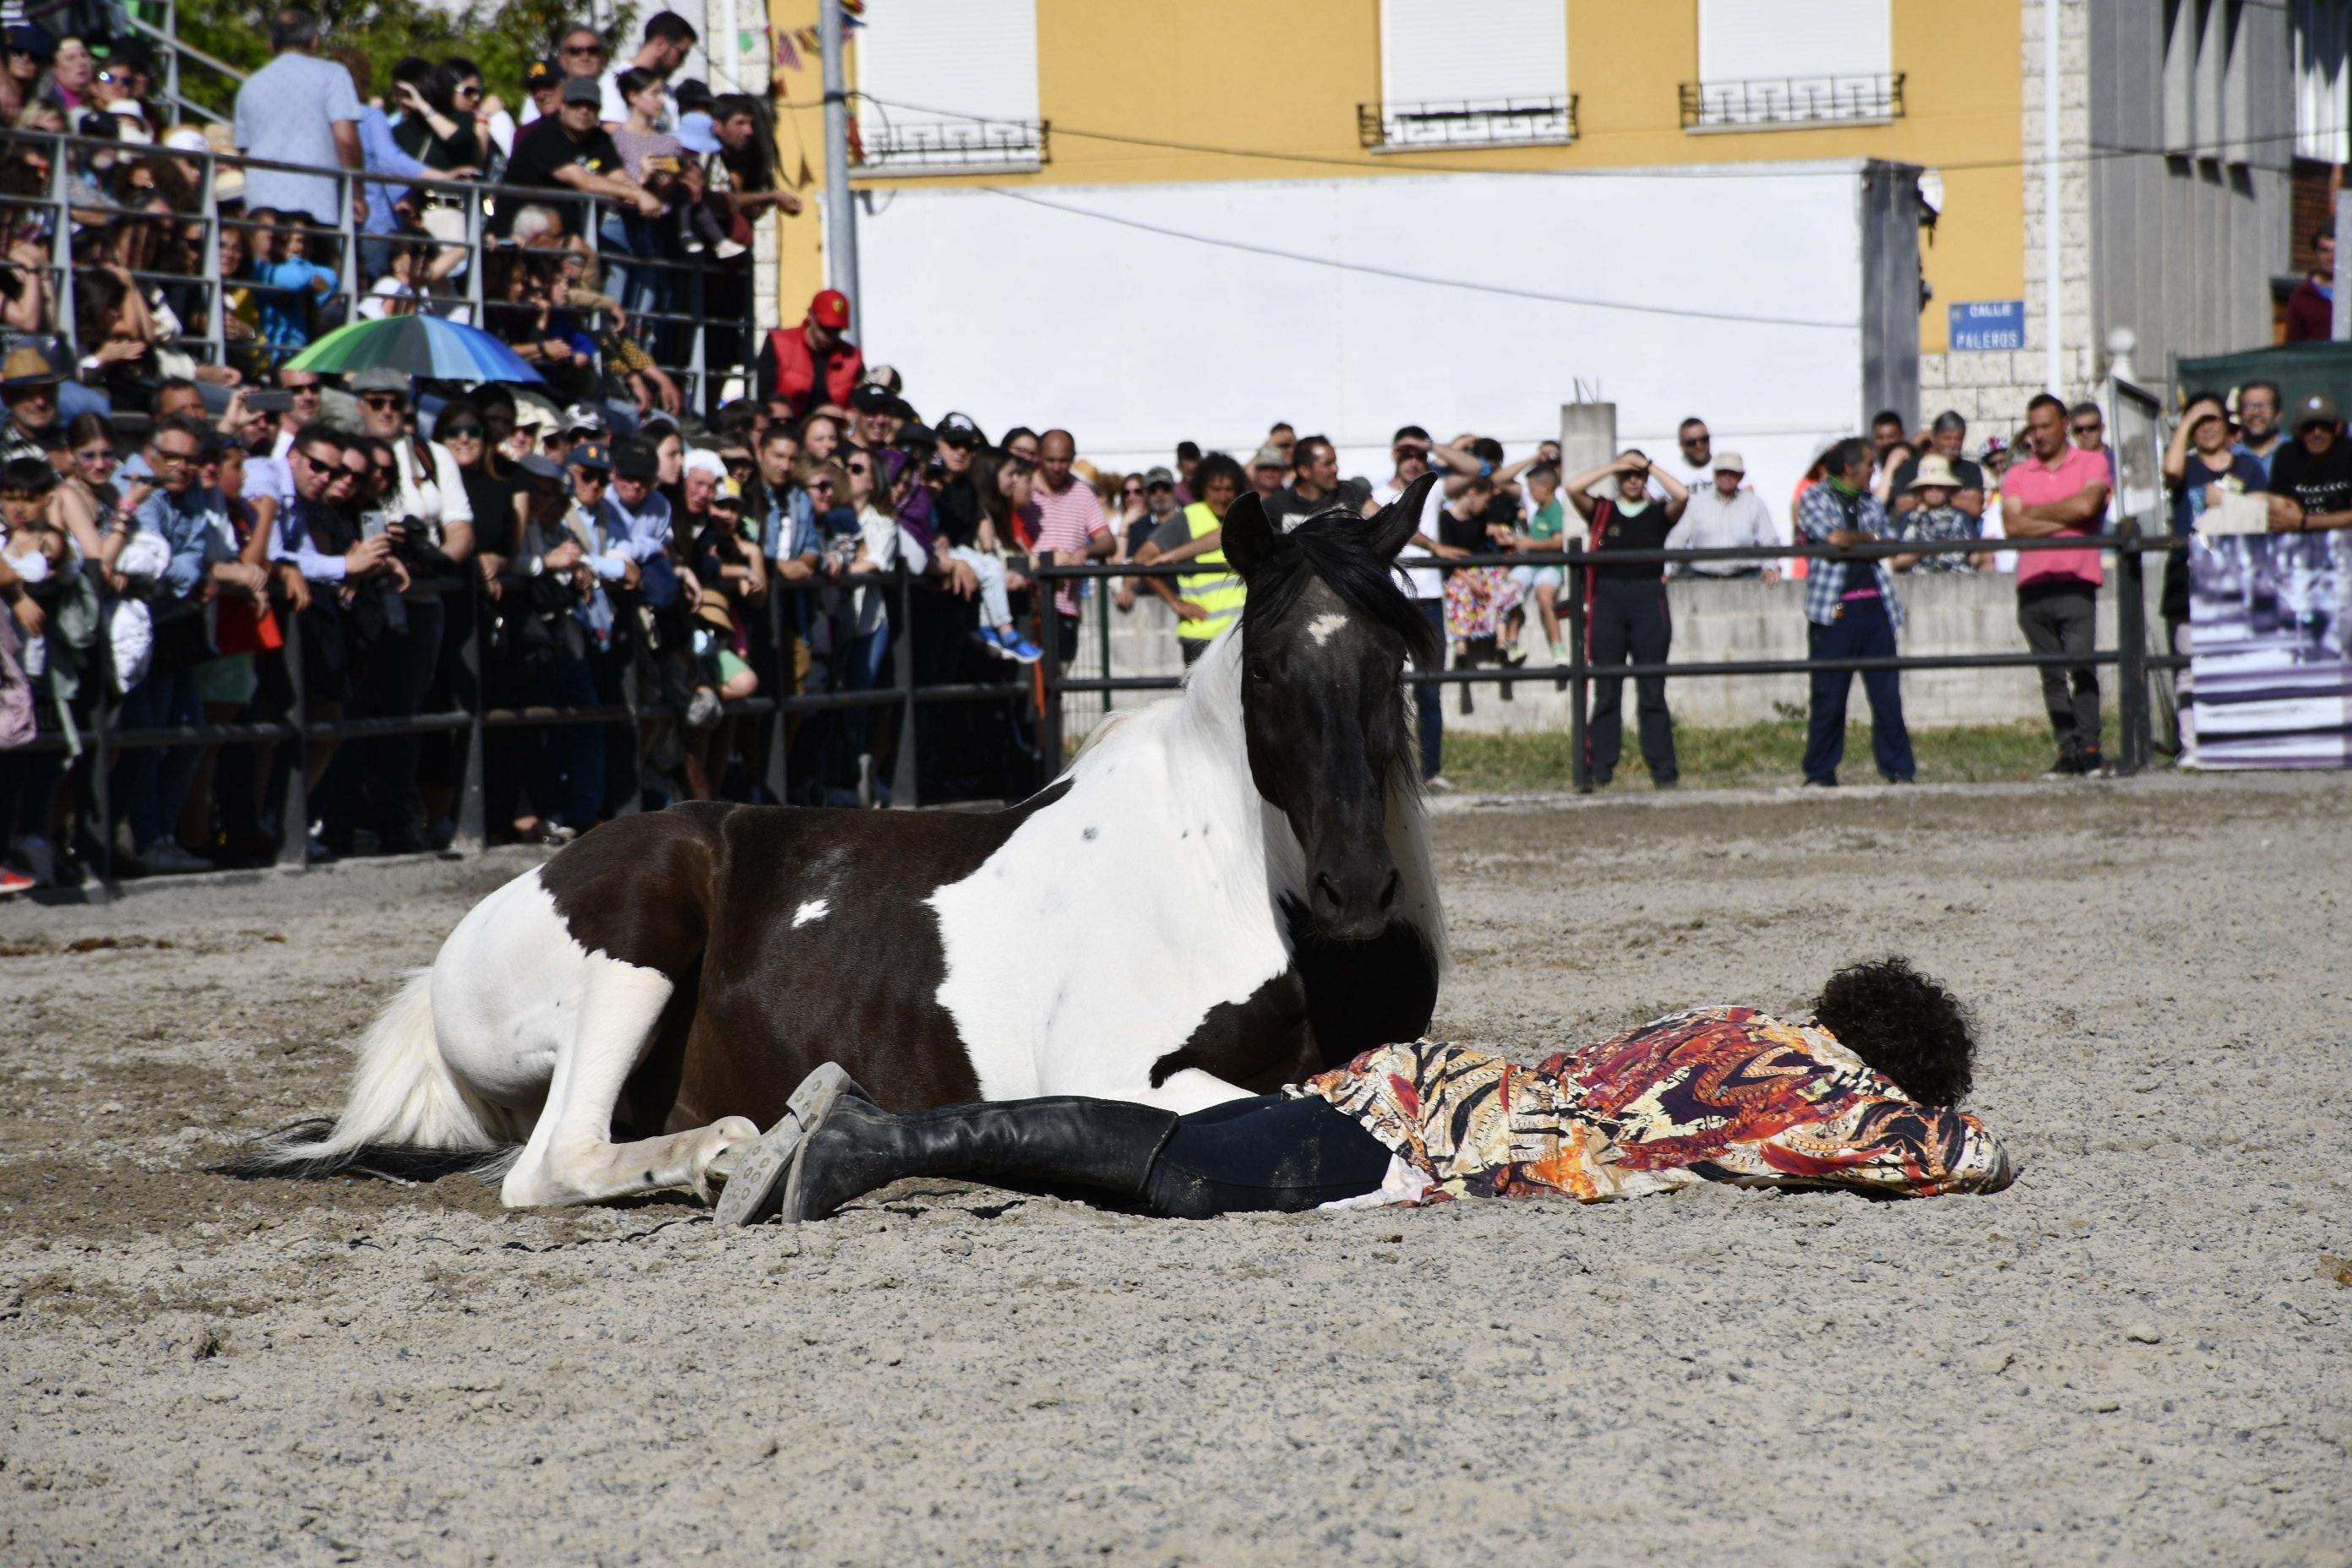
pixel 2131 657
pixel 692 314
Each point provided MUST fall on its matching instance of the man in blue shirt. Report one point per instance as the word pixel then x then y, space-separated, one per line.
pixel 299 109
pixel 633 520
pixel 1854 614
pixel 193 522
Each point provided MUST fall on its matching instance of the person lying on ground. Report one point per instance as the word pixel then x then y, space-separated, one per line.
pixel 1859 1096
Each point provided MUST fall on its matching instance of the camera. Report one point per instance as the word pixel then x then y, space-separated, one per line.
pixel 269 401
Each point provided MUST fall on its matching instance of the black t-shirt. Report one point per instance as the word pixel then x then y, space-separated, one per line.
pixel 1970 476
pixel 955 511
pixel 1287 506
pixel 1464 532
pixel 1612 530
pixel 493 503
pixel 543 147
pixel 2319 484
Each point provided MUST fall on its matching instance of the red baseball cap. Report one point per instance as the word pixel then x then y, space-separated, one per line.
pixel 830 308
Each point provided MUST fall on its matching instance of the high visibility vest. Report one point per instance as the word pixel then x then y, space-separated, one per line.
pixel 1217 590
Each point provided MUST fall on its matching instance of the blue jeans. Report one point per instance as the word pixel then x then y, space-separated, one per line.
pixel 1860 631
pixel 1429 701
pixel 152 782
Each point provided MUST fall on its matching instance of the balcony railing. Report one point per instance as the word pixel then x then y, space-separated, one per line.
pixel 932 147
pixel 1790 100
pixel 1468 122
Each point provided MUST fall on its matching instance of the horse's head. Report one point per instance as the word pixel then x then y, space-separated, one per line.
pixel 1325 635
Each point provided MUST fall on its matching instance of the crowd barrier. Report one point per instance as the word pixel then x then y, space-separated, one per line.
pixel 2134 662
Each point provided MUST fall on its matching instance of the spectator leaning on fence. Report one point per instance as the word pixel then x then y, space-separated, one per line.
pixel 571 151
pixel 2259 434
pixel 1209 598
pixel 1725 512
pixel 1409 452
pixel 1854 614
pixel 1932 518
pixel 2313 478
pixel 2055 487
pixel 299 109
pixel 1946 438
pixel 2201 466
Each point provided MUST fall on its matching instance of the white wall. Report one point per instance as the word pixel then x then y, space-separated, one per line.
pixel 1020 313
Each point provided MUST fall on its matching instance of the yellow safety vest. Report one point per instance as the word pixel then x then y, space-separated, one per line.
pixel 1217 590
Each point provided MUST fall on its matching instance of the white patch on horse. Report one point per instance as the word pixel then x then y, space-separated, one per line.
pixel 1321 627
pixel 815 910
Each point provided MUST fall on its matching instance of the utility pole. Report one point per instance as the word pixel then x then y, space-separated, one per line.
pixel 840 211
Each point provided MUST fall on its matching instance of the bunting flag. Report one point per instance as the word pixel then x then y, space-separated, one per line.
pixel 780 45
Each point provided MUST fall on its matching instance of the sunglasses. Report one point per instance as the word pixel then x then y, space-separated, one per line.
pixel 462 433
pixel 96 455
pixel 172 459
pixel 584 48
pixel 820 484
pixel 594 476
pixel 2088 429
pixel 471 89
pixel 1696 440
pixel 859 468
pixel 384 400
pixel 738 465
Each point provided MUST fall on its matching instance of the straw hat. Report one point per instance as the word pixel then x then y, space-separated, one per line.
pixel 1935 469
pixel 28 365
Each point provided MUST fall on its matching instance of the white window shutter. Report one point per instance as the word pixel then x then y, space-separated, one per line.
pixel 939 68
pixel 1771 40
pixel 1492 60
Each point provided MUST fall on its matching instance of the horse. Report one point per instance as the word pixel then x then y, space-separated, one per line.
pixel 1222 892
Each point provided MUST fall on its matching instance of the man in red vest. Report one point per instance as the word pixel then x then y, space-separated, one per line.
pixel 815 364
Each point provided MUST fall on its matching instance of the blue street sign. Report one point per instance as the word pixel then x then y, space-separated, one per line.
pixel 1987 324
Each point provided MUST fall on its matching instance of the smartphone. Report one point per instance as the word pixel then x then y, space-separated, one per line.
pixel 269 401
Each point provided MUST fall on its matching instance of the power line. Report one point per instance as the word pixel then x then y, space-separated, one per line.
pixel 1692 313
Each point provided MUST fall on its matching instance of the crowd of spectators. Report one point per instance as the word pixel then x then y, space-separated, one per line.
pixel 623 234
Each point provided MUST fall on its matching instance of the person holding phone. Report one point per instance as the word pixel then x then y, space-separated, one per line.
pixel 1625 613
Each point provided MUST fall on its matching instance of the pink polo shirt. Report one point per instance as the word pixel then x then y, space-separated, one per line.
pixel 1067 522
pixel 2036 483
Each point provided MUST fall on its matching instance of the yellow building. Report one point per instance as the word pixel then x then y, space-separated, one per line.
pixel 2176 126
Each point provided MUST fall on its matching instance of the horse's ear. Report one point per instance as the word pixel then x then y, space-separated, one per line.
pixel 1248 536
pixel 1394 524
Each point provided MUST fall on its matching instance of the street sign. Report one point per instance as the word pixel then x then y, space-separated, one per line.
pixel 1987 324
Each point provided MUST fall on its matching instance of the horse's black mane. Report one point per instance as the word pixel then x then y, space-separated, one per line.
pixel 1336 547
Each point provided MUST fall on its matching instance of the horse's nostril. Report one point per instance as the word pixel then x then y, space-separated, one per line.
pixel 1327 889
pixel 1389 892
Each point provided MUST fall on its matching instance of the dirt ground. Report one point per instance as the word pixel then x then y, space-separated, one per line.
pixel 2138 1353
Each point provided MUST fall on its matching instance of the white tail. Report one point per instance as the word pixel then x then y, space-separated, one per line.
pixel 404 1101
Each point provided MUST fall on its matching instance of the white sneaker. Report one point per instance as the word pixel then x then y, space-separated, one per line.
pixel 1438 783
pixel 728 249
pixel 168 859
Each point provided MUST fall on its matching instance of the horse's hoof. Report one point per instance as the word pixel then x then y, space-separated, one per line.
pixel 751 1195
pixel 724 1143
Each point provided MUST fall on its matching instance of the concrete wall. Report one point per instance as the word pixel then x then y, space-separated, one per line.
pixel 1713 621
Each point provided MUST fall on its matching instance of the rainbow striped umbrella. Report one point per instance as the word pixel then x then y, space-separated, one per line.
pixel 424 346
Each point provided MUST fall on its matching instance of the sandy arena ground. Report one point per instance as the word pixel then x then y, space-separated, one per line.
pixel 2138 1353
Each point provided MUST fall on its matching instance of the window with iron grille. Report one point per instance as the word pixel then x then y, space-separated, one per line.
pixel 1764 63
pixel 948 85
pixel 1469 73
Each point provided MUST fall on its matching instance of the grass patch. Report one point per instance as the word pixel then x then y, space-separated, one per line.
pixel 1757 754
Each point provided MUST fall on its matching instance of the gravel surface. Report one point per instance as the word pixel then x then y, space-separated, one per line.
pixel 2138 1353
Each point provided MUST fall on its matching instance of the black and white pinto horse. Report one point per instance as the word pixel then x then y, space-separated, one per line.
pixel 1225 891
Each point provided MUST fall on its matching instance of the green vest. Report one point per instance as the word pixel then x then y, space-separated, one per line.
pixel 1215 590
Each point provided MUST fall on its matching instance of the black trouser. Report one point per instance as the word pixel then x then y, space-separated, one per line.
pixel 2063 621
pixel 1624 617
pixel 1249 1156
pixel 1429 697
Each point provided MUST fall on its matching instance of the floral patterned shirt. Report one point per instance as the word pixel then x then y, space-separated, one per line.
pixel 1726 1094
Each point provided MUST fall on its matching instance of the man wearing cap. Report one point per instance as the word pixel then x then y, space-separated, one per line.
pixel 815 363
pixel 2314 480
pixel 1724 513
pixel 2056 488
pixel 1267 470
pixel 299 109
pixel 633 523
pixel 570 150
pixel 1946 438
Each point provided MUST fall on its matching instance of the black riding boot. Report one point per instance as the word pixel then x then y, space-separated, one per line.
pixel 1105 1146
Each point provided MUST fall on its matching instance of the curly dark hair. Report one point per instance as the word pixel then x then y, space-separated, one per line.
pixel 1903 1025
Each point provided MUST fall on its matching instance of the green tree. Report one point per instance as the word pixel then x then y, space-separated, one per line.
pixel 503 37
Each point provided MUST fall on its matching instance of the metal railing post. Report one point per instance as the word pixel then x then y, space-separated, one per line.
pixel 903 787
pixel 61 241
pixel 477 314
pixel 172 69
pixel 1102 624
pixel 779 722
pixel 294 821
pixel 348 267
pixel 217 306
pixel 473 836
pixel 2131 651
pixel 1578 675
pixel 698 358
pixel 1049 669
pixel 101 768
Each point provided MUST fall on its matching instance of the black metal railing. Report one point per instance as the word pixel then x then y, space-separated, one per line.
pixel 104 739
pixel 2130 655
pixel 887 148
pixel 1467 122
pixel 1790 100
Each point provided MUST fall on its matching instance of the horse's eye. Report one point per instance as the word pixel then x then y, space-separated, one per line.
pixel 1258 671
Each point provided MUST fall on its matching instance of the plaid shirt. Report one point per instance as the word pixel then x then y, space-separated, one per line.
pixel 1822 511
